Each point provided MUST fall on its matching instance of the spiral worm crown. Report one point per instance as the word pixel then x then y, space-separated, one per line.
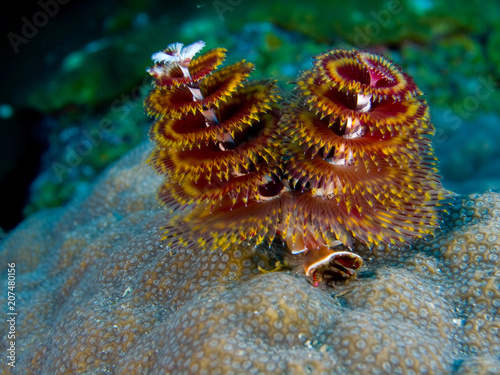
pixel 216 145
pixel 359 151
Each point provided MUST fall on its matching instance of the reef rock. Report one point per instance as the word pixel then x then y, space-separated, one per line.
pixel 98 292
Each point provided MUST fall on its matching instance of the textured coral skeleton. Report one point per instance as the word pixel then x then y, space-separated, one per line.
pixel 347 158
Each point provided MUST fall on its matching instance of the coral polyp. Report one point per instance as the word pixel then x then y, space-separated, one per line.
pixel 358 150
pixel 216 145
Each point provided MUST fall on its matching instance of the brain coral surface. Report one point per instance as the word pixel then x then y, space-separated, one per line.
pixel 99 293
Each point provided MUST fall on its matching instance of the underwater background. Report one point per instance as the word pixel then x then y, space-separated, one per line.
pixel 73 77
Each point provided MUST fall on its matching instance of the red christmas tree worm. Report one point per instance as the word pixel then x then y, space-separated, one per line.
pixel 216 145
pixel 349 159
pixel 359 152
